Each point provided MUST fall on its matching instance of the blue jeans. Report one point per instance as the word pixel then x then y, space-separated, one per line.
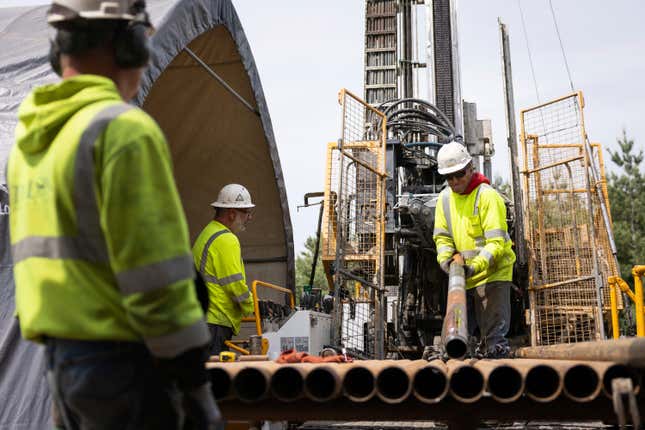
pixel 101 385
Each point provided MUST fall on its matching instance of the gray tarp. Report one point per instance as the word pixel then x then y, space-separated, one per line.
pixel 214 139
pixel 24 398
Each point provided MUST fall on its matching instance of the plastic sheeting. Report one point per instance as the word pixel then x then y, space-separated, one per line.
pixel 23 390
pixel 214 140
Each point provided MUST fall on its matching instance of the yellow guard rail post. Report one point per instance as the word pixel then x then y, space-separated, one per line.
pixel 637 273
pixel 635 296
pixel 254 289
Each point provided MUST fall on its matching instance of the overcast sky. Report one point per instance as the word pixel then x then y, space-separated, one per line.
pixel 306 51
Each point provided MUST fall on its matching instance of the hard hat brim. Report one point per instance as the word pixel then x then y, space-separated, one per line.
pixel 455 168
pixel 232 205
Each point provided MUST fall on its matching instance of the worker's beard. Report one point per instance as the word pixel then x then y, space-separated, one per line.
pixel 239 223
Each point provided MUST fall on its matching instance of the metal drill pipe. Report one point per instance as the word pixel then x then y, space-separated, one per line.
pixel 359 383
pixel 454 333
pixel 394 383
pixel 504 382
pixel 220 383
pixel 430 384
pixel 252 382
pixel 288 381
pixel 325 382
pixel 630 352
pixel 582 383
pixel 607 371
pixel 221 376
pixel 542 382
pixel 466 381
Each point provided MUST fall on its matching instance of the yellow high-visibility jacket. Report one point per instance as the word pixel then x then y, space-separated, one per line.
pixel 475 226
pixel 98 235
pixel 218 258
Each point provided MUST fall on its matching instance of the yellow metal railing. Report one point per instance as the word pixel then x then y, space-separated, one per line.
pixel 256 318
pixel 615 283
pixel 254 289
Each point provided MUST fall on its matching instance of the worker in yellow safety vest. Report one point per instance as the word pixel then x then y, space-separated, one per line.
pixel 103 272
pixel 218 258
pixel 470 219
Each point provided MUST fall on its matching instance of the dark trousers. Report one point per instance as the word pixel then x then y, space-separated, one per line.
pixel 489 308
pixel 109 385
pixel 219 335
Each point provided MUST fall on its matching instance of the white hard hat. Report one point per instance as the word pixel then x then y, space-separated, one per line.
pixel 68 10
pixel 452 157
pixel 233 196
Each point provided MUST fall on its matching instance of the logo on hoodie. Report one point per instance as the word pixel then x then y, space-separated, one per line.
pixel 32 190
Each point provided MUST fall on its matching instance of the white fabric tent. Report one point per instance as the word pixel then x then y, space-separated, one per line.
pixel 214 139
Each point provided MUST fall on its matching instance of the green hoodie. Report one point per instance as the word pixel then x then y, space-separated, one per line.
pixel 127 276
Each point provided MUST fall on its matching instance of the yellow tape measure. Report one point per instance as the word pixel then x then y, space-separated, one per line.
pixel 226 356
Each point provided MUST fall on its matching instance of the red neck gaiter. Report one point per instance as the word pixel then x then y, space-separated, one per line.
pixel 475 181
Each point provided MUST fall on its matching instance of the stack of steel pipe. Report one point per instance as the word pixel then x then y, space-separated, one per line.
pixel 396 381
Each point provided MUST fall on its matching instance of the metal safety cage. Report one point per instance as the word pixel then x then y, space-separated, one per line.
pixel 353 230
pixel 568 239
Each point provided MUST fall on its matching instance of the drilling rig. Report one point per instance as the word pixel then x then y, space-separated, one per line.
pixel 382 187
pixel 382 181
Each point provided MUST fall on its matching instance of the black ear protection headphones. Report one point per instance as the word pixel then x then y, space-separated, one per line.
pixel 131 44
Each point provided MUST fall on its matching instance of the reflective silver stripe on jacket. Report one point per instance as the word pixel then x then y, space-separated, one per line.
pixel 470 253
pixel 202 264
pixel 89 243
pixel 156 275
pixel 242 297
pixel 479 189
pixel 441 232
pixel 445 202
pixel 173 344
pixel 487 255
pixel 445 248
pixel 498 232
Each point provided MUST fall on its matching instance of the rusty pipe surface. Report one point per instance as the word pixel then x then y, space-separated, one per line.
pixel 394 382
pixel 630 352
pixel 466 381
pixel 325 382
pixel 581 382
pixel 504 382
pixel 608 371
pixel 288 382
pixel 221 376
pixel 542 382
pixel 359 383
pixel 454 333
pixel 430 384
pixel 252 382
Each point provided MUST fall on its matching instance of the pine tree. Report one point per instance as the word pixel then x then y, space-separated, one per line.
pixel 627 199
pixel 303 268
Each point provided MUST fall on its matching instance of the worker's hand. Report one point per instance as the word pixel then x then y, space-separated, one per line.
pixel 188 370
pixel 201 410
pixel 469 271
pixel 458 258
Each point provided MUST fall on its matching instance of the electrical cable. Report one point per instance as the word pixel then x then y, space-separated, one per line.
pixel 564 55
pixel 528 48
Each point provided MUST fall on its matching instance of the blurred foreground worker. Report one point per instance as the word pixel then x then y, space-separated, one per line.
pixel 470 219
pixel 100 244
pixel 218 258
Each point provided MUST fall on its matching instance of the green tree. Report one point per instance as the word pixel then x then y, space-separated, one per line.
pixel 627 199
pixel 303 268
